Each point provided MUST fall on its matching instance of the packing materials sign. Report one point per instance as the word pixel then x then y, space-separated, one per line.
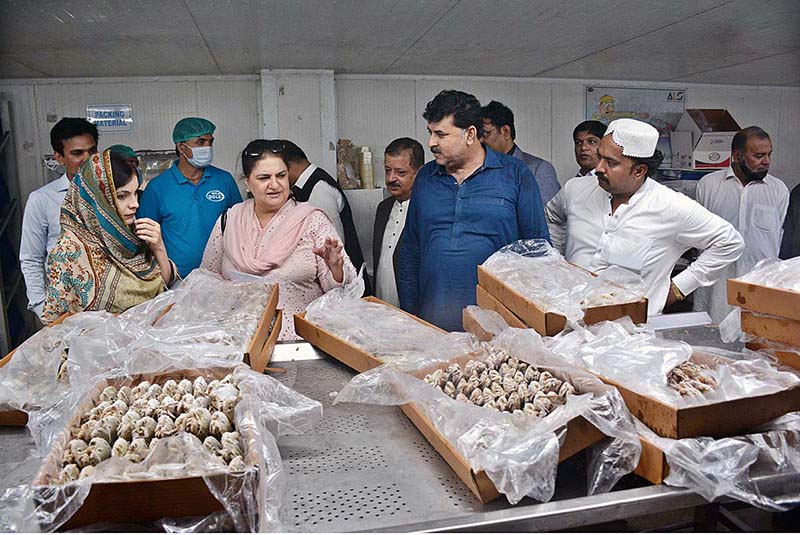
pixel 111 117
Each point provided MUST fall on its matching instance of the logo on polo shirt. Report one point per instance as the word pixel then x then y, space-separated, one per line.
pixel 215 195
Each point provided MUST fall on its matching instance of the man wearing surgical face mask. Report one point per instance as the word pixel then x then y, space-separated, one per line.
pixel 187 199
pixel 622 217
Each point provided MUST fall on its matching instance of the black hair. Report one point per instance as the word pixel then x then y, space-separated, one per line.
pixel 69 127
pixel 596 128
pixel 499 115
pixel 652 163
pixel 121 171
pixel 292 152
pixel 741 137
pixel 464 108
pixel 258 148
pixel 406 143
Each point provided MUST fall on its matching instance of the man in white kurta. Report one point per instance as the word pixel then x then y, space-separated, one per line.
pixel 754 202
pixel 622 217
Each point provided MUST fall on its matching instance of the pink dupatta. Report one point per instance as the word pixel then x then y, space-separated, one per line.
pixel 253 251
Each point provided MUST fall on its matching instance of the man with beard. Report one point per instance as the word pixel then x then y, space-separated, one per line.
pixel 465 205
pixel 623 217
pixel 750 199
pixel 401 161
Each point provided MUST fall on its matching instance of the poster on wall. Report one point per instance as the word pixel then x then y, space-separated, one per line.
pixel 111 117
pixel 662 108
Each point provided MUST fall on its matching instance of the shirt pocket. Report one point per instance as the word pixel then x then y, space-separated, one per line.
pixel 629 250
pixel 764 218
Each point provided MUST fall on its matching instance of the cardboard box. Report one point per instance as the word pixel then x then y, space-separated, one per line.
pixel 702 139
pixel 790 356
pixel 486 301
pixel 550 323
pixel 773 328
pixel 716 419
pixel 580 433
pixel 141 500
pixel 763 299
pixel 15 418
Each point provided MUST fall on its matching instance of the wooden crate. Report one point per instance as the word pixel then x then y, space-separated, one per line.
pixel 790 356
pixel 487 301
pixel 580 433
pixel 259 350
pixel 141 500
pixel 17 418
pixel 773 328
pixel 763 299
pixel 652 463
pixel 716 419
pixel 550 323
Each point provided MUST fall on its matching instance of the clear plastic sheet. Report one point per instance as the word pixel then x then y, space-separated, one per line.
pixel 254 499
pixel 519 453
pixel 384 331
pixel 537 271
pixel 635 358
pixel 732 466
pixel 488 320
pixel 784 274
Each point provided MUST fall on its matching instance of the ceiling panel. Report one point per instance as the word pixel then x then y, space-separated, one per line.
pixel 524 38
pixel 737 32
pixel 103 38
pixel 346 36
pixel 781 69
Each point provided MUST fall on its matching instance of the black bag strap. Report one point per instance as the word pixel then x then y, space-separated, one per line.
pixel 223 220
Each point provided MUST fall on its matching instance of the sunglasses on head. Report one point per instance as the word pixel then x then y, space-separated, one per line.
pixel 260 146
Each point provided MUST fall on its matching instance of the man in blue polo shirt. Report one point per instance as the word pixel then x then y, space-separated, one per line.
pixel 465 205
pixel 187 199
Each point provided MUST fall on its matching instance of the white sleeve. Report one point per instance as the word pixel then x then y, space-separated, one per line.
pixel 327 198
pixel 33 251
pixel 720 245
pixel 556 214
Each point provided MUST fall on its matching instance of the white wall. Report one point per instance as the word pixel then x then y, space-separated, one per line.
pixel 373 110
pixel 232 103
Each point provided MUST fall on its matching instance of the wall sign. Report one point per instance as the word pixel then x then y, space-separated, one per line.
pixel 662 108
pixel 111 117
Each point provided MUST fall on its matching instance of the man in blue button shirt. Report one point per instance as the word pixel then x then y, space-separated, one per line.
pixel 187 199
pixel 465 205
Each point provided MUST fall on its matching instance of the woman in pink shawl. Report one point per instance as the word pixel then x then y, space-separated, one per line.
pixel 273 238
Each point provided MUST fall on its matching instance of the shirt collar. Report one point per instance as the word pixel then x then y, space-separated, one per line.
pixel 62 182
pixel 490 161
pixel 305 175
pixel 180 179
pixel 513 150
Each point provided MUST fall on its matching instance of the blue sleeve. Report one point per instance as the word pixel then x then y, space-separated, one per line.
pixel 149 204
pixel 530 214
pixel 408 260
pixel 234 195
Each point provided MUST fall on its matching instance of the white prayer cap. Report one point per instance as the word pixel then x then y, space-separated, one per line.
pixel 637 138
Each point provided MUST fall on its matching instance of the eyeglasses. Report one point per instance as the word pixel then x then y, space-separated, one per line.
pixel 258 147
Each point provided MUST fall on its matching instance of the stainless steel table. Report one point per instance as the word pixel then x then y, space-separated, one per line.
pixel 367 468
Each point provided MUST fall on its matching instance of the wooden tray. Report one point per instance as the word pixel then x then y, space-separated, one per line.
pixel 773 328
pixel 716 419
pixel 550 323
pixel 259 350
pixel 487 301
pixel 790 356
pixel 141 500
pixel 652 463
pixel 763 299
pixel 17 418
pixel 580 433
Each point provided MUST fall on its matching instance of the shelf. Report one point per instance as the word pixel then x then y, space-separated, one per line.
pixel 12 209
pixel 4 140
